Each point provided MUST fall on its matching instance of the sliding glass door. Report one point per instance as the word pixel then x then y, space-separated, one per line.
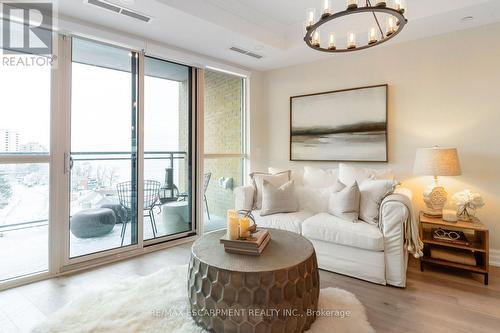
pixel 130 154
pixel 103 153
pixel 167 149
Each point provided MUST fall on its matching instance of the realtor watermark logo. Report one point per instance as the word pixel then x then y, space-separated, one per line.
pixel 27 29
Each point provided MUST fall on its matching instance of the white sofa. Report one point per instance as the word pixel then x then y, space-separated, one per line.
pixel 375 253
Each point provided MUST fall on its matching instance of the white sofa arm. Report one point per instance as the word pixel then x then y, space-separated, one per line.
pixel 394 214
pixel 243 197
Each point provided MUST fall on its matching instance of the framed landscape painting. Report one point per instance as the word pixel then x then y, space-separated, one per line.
pixel 342 125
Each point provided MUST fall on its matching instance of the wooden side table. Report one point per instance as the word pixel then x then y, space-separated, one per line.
pixel 478 243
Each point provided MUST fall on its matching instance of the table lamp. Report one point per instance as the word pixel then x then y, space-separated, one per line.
pixel 436 162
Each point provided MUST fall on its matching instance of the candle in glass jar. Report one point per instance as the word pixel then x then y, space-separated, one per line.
pixel 311 13
pixel 398 5
pixel 331 42
pixel 327 11
pixel 316 38
pixel 244 226
pixel 232 225
pixel 450 215
pixel 352 4
pixel 391 26
pixel 351 40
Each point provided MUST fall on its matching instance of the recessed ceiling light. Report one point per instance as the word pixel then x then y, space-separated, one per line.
pixel 259 47
pixel 467 18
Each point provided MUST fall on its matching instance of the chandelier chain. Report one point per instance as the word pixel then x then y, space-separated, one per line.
pixel 369 4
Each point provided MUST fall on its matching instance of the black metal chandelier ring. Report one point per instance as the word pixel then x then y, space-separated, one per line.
pixel 400 19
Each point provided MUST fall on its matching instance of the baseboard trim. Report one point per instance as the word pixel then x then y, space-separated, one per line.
pixel 494 257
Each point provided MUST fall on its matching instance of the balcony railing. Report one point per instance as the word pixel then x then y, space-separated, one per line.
pixel 171 156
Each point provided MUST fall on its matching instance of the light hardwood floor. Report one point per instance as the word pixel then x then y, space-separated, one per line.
pixel 434 301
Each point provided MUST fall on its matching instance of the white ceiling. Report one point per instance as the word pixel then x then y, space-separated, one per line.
pixel 272 28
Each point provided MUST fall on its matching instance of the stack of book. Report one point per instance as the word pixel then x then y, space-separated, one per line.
pixel 252 246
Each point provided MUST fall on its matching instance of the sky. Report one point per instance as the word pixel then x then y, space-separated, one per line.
pixel 25 102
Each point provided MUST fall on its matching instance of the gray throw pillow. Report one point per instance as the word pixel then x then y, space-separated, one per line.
pixel 280 199
pixel 345 203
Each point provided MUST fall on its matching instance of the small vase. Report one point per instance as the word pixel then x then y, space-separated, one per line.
pixel 466 214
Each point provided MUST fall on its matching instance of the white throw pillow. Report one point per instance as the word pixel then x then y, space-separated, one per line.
pixel 349 174
pixel 345 203
pixel 319 178
pixel 372 194
pixel 316 200
pixel 257 178
pixel 280 199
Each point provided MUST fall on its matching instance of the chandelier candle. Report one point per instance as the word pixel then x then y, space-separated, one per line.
pixel 352 4
pixel 311 14
pixel 398 5
pixel 351 40
pixel 316 38
pixel 391 26
pixel 331 41
pixel 327 9
pixel 381 3
pixel 372 36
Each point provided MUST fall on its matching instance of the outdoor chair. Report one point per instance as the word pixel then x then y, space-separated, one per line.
pixel 151 195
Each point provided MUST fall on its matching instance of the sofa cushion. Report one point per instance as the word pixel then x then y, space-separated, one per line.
pixel 329 228
pixel 295 175
pixel 284 221
pixel 315 200
pixel 349 174
pixel 319 178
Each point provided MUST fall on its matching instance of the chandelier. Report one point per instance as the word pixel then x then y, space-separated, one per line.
pixel 394 23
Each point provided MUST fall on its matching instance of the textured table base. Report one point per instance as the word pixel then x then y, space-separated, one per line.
pixel 275 301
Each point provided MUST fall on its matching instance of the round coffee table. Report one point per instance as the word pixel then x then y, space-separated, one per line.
pixel 277 291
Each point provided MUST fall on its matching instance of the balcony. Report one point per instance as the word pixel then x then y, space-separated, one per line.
pixel 32 257
pixel 23 240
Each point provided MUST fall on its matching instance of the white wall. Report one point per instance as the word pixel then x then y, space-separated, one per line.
pixel 257 124
pixel 442 91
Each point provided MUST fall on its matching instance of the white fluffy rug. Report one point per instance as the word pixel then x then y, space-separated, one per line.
pixel 159 303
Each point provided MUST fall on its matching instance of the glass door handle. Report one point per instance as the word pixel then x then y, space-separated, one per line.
pixel 68 163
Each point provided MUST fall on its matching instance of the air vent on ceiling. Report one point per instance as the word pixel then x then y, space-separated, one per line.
pixel 245 52
pixel 119 10
pixel 135 15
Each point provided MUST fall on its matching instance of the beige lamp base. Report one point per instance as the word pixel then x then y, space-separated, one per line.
pixel 435 198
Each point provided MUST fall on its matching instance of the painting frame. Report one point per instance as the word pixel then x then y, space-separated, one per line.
pixel 385 159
